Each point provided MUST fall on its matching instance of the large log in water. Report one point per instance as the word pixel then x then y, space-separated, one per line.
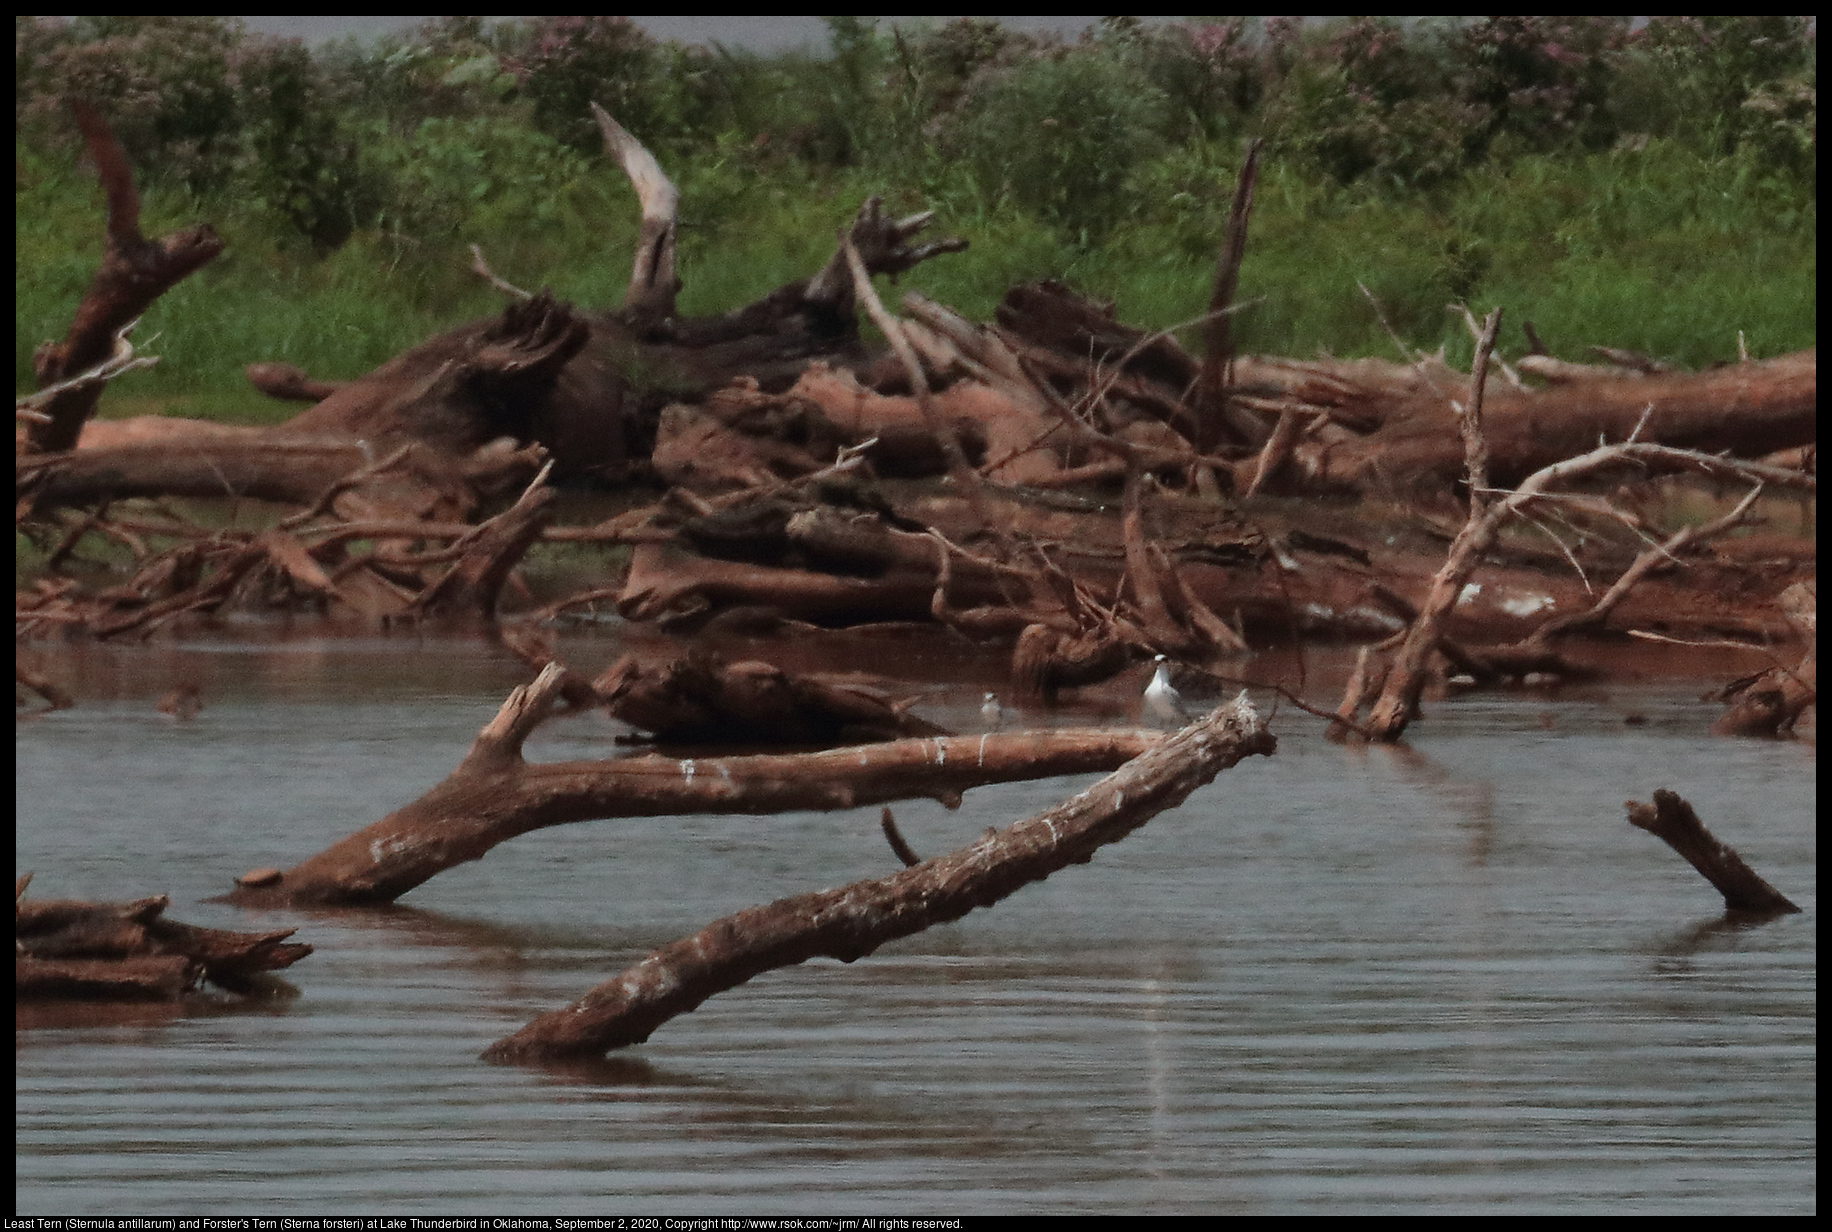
pixel 494 795
pixel 853 921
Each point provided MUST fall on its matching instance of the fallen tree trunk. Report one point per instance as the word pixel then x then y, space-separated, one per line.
pixel 494 795
pixel 1671 820
pixel 1746 410
pixel 203 460
pixel 850 922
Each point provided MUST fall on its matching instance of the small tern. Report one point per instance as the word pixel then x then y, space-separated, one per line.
pixel 1163 704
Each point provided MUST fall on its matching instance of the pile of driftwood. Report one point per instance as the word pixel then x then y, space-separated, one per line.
pixel 1104 495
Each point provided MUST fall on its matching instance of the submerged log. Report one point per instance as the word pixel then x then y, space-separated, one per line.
pixel 494 795
pixel 853 921
pixel 129 951
pixel 1671 820
pixel 703 699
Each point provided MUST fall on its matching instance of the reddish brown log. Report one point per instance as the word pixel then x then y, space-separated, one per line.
pixel 152 977
pixel 288 383
pixel 197 459
pixel 128 951
pixel 1671 820
pixel 853 921
pixel 703 699
pixel 494 795
pixel 134 272
pixel 1746 410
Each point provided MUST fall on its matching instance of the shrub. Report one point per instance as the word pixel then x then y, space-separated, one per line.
pixel 1723 82
pixel 1360 100
pixel 1059 136
pixel 1546 82
pixel 572 62
pixel 301 160
pixel 163 82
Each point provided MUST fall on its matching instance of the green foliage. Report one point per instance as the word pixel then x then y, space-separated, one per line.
pixel 1717 82
pixel 163 81
pixel 303 160
pixel 1653 190
pixel 1058 137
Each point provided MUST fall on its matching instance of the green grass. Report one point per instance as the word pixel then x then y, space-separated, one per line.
pixel 1659 250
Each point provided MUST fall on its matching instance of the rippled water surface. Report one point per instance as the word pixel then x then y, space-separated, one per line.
pixel 1334 980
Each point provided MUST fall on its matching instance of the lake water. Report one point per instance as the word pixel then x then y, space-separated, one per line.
pixel 1335 980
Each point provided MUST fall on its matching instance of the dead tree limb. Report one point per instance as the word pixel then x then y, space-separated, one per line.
pixel 649 298
pixel 1772 702
pixel 290 383
pixel 498 545
pixel 853 921
pixel 134 272
pixel 1218 352
pixel 887 822
pixel 494 795
pixel 1671 820
pixel 120 360
pixel 1665 551
pixel 1406 680
pixel 966 479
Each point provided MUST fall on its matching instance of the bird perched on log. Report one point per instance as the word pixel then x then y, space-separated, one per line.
pixel 1162 703
pixel 991 713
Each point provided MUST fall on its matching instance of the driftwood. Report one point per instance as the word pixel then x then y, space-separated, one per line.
pixel 1218 353
pixel 494 795
pixel 129 951
pixel 190 458
pixel 1371 426
pixel 37 682
pixel 701 698
pixel 1770 703
pixel 853 921
pixel 1400 686
pixel 754 414
pixel 288 383
pixel 1671 820
pixel 308 557
pixel 1405 682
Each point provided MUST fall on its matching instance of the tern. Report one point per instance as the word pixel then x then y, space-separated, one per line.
pixel 992 714
pixel 1163 703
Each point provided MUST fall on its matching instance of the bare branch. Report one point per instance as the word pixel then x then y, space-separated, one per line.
pixel 482 269
pixel 653 285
